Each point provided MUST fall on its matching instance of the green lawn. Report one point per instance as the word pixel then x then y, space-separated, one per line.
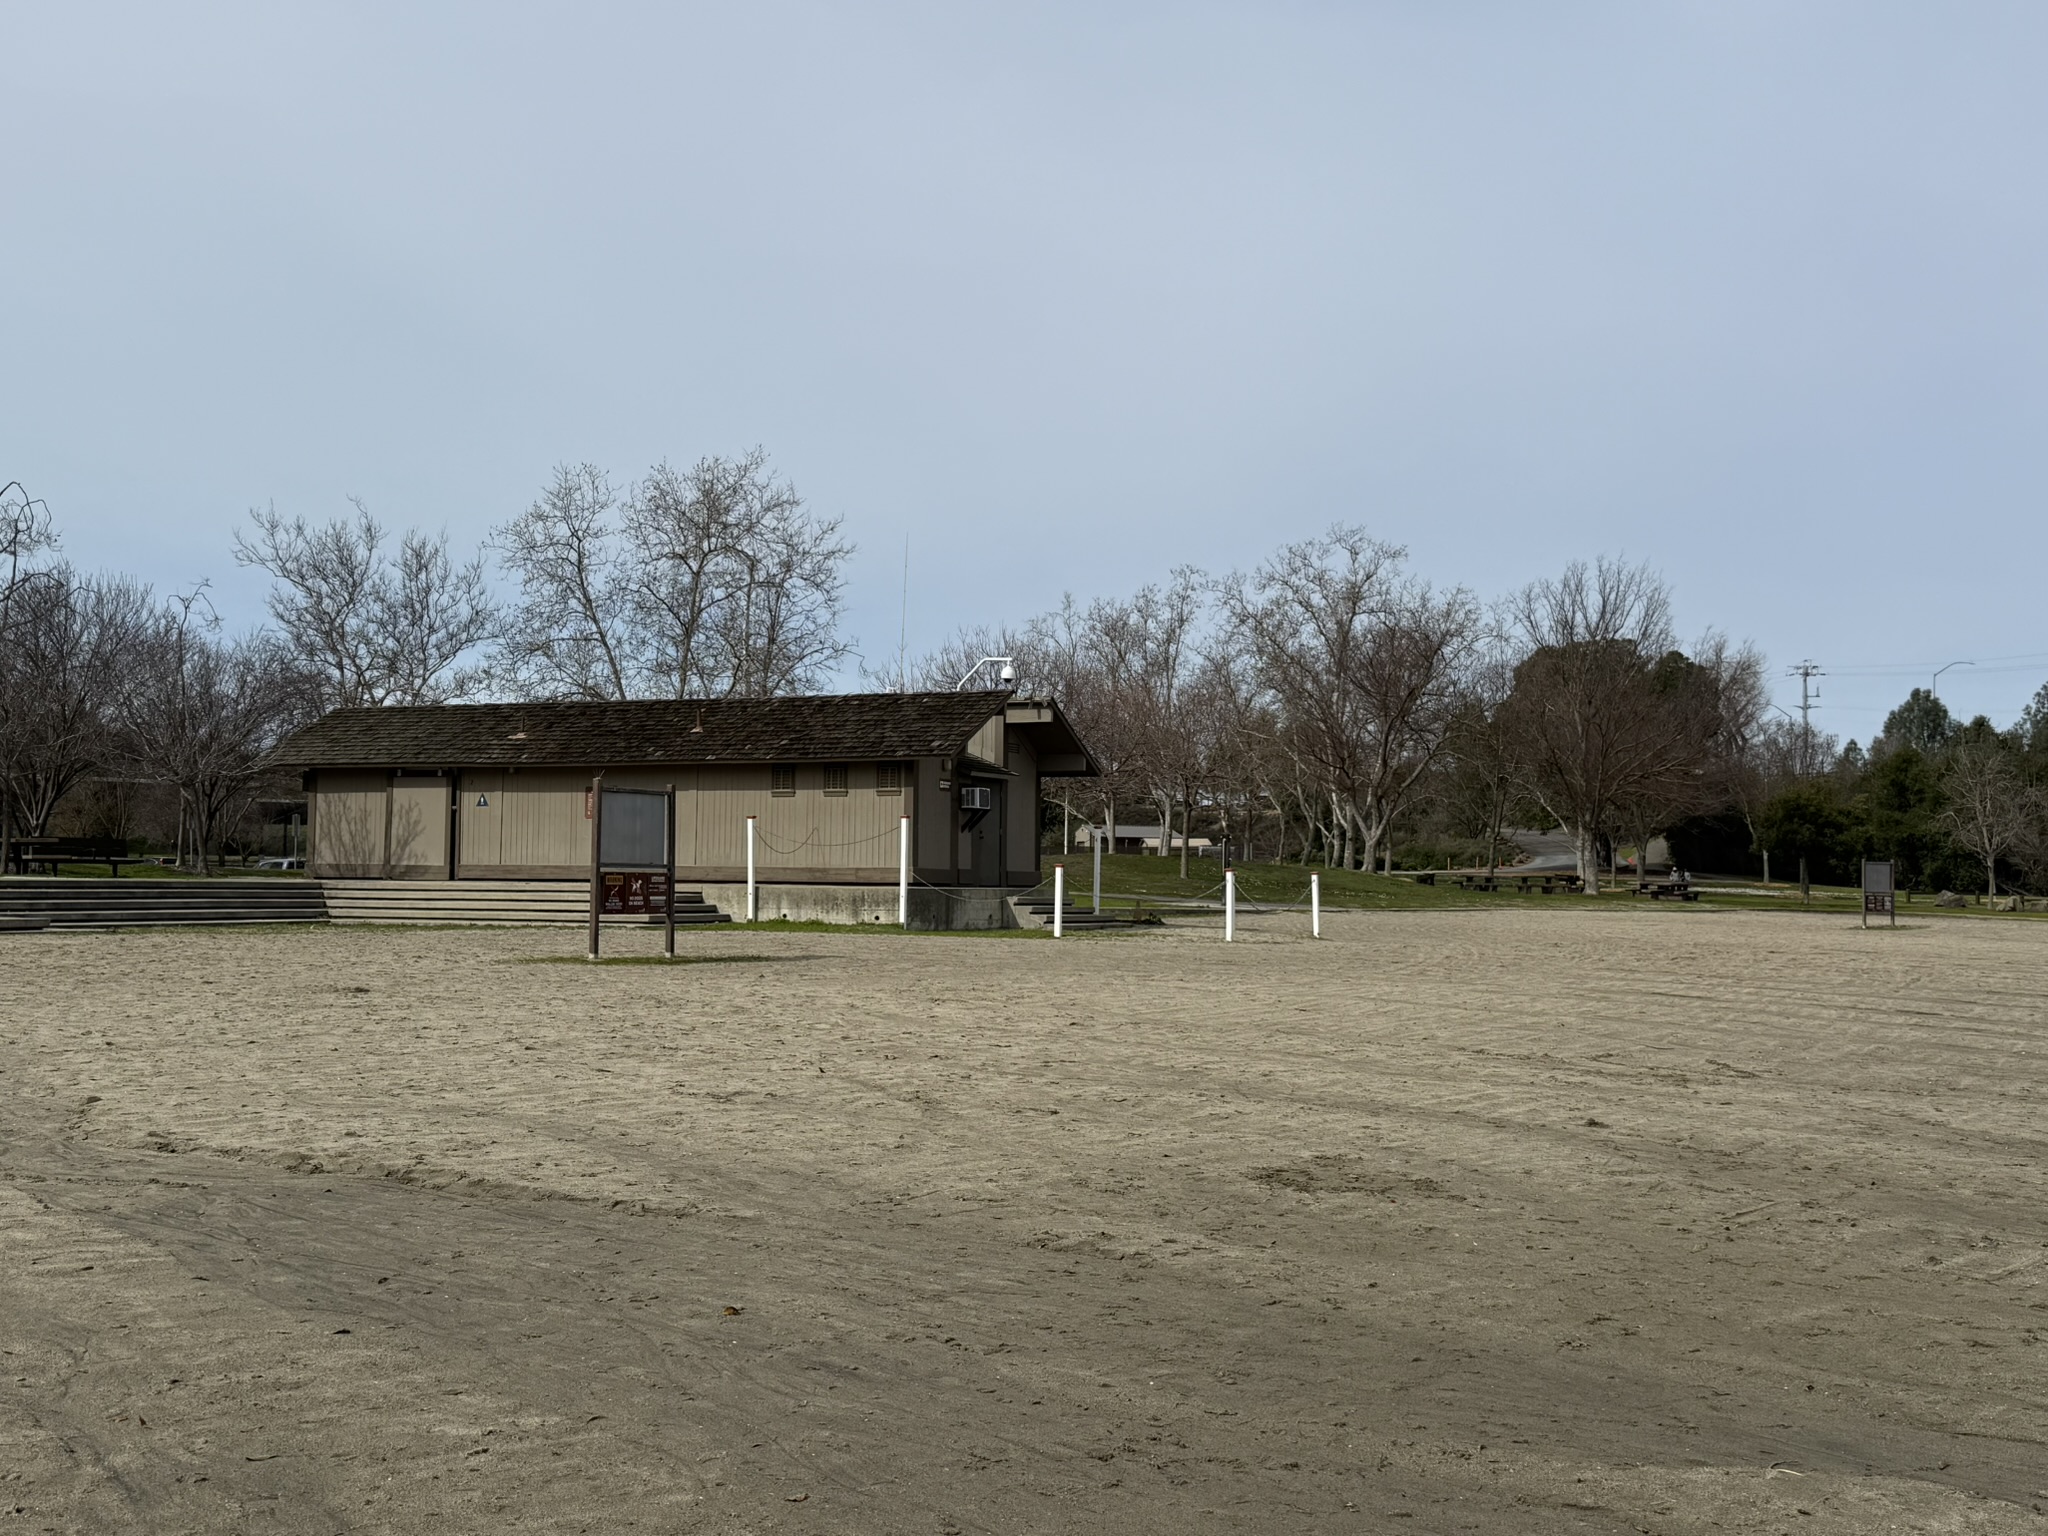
pixel 1130 879
pixel 165 872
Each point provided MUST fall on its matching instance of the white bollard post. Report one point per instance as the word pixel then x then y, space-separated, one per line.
pixel 1059 899
pixel 1315 906
pixel 1229 906
pixel 903 872
pixel 753 895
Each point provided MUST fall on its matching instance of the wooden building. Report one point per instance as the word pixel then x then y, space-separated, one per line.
pixel 498 791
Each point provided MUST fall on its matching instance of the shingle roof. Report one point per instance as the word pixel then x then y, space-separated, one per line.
pixel 815 728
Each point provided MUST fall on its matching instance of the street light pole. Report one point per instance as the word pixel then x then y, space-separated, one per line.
pixel 1936 689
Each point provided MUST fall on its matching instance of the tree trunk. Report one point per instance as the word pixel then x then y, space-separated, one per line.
pixel 1589 861
pixel 1186 805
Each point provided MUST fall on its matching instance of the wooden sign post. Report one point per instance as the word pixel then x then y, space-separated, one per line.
pixel 1879 893
pixel 632 858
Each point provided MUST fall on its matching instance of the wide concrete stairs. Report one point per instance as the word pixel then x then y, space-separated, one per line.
pixel 510 902
pixel 142 903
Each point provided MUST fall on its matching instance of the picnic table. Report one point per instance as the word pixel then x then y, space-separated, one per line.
pixel 49 852
pixel 1677 888
pixel 1543 881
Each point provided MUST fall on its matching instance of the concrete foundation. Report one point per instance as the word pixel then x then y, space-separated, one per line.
pixel 931 909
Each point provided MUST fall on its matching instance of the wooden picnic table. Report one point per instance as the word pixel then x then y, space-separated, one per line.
pixel 1542 881
pixel 50 852
pixel 1677 888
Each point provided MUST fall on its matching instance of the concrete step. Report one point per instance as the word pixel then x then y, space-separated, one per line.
pixel 554 903
pixel 118 903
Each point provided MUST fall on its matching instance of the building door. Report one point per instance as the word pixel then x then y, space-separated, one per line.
pixel 418 828
pixel 985 838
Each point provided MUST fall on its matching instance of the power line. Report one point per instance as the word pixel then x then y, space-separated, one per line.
pixel 1809 691
pixel 1808 672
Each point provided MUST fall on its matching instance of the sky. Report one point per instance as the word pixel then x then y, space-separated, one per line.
pixel 1068 295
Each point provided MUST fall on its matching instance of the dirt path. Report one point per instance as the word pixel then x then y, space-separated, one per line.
pixel 1515 1221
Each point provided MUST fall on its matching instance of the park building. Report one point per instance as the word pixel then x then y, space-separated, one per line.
pixel 501 792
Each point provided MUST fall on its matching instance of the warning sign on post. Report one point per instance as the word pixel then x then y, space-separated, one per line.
pixel 634 893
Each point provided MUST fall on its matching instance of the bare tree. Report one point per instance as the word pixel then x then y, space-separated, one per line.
pixel 1363 664
pixel 202 714
pixel 1410 681
pixel 1302 620
pixel 26 533
pixel 1593 728
pixel 707 582
pixel 1483 787
pixel 1164 696
pixel 570 634
pixel 374 628
pixel 1706 704
pixel 72 643
pixel 1989 806
pixel 738 587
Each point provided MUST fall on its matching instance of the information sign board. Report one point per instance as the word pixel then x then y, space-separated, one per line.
pixel 1879 894
pixel 633 829
pixel 632 857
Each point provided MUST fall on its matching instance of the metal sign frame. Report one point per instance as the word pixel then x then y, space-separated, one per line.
pixel 1880 890
pixel 599 868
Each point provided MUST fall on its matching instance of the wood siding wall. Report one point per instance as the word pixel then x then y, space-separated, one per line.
pixel 348 832
pixel 987 743
pixel 935 820
pixel 419 828
pixel 1020 831
pixel 531 822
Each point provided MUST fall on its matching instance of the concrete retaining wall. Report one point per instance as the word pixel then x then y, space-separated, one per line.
pixel 930 909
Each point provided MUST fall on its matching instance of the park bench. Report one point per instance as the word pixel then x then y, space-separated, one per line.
pixel 49 852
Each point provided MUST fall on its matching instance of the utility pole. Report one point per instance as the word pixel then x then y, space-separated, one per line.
pixel 1809 700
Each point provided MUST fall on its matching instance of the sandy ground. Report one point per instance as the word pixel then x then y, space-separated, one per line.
pixel 1514 1221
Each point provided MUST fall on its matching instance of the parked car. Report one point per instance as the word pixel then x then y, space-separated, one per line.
pixel 280 863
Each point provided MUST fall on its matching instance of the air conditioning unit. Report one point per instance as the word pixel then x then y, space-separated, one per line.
pixel 977 798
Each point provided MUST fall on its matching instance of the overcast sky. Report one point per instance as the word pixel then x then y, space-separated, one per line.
pixel 1072 294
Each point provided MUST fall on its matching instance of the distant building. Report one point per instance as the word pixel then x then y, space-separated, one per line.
pixel 1138 839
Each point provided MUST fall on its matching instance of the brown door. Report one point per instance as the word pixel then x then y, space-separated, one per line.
pixel 986 839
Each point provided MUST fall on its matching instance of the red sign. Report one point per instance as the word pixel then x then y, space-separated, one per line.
pixel 1879 902
pixel 633 893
